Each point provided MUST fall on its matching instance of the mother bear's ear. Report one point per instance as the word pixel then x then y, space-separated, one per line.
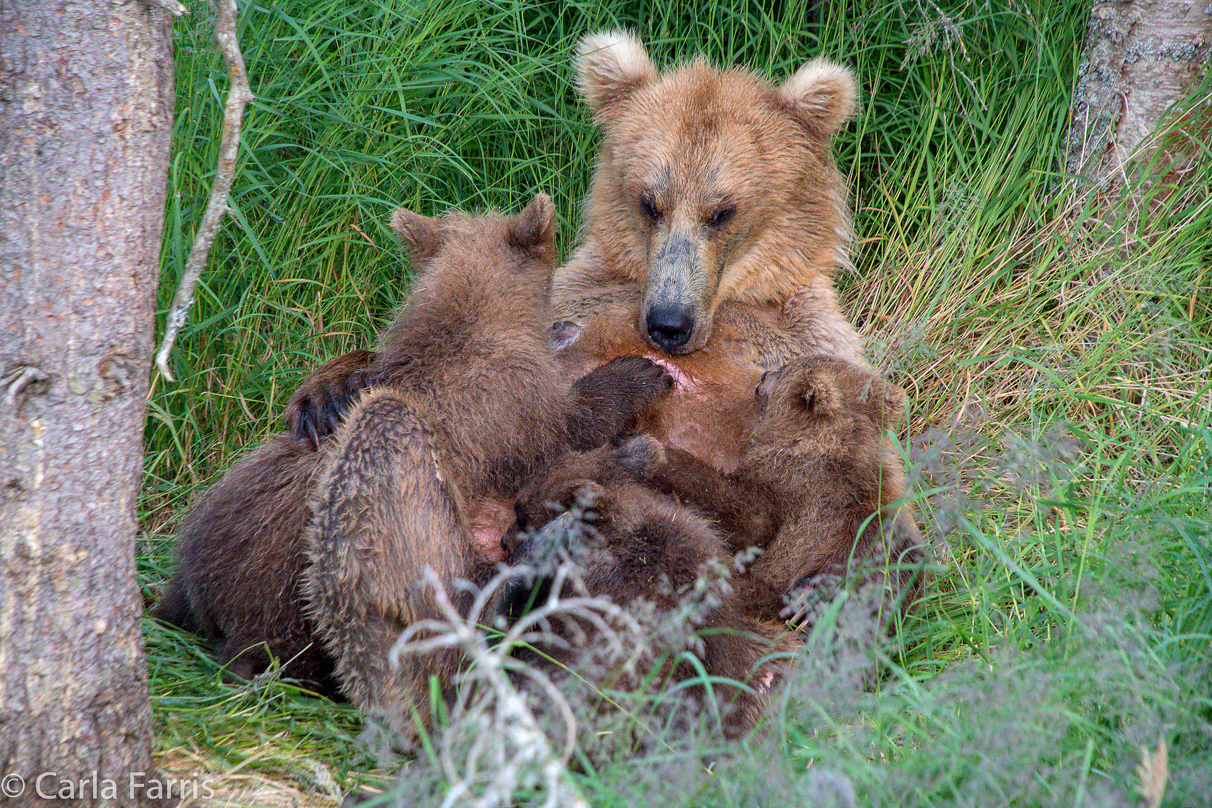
pixel 820 97
pixel 610 65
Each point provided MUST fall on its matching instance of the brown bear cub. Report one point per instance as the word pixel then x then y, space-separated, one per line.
pixel 475 335
pixel 240 559
pixel 816 490
pixel 469 401
pixel 638 545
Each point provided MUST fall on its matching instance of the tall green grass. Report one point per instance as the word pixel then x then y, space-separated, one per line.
pixel 1055 345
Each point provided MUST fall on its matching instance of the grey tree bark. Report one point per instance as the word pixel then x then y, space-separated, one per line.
pixel 1141 56
pixel 86 95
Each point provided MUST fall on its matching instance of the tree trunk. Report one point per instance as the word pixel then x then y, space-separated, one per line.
pixel 1141 56
pixel 86 97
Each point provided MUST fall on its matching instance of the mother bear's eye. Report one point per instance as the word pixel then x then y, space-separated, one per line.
pixel 649 209
pixel 721 216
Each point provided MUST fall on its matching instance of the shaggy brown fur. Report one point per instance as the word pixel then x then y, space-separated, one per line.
pixel 709 416
pixel 644 546
pixel 469 402
pixel 239 567
pixel 241 553
pixel 807 489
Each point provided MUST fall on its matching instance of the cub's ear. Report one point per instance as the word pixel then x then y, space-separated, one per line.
pixel 534 227
pixel 820 97
pixel 422 234
pixel 610 66
pixel 893 402
pixel 819 394
pixel 641 456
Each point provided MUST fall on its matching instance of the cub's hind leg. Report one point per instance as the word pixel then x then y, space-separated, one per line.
pixel 386 509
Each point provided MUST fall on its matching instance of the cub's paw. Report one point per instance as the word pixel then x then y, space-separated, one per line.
pixel 635 382
pixel 612 399
pixel 325 396
pixel 642 456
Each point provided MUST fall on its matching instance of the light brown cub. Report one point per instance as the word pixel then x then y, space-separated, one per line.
pixel 815 490
pixel 469 401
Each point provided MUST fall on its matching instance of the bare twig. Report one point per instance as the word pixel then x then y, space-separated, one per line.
pixel 238 96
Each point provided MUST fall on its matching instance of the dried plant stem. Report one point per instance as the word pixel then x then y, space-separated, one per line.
pixel 509 741
pixel 238 96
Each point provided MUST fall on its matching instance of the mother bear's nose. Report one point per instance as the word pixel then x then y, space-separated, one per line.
pixel 670 326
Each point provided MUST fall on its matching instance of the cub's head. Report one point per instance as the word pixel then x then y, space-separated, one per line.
pixel 712 184
pixel 493 262
pixel 829 406
pixel 626 539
